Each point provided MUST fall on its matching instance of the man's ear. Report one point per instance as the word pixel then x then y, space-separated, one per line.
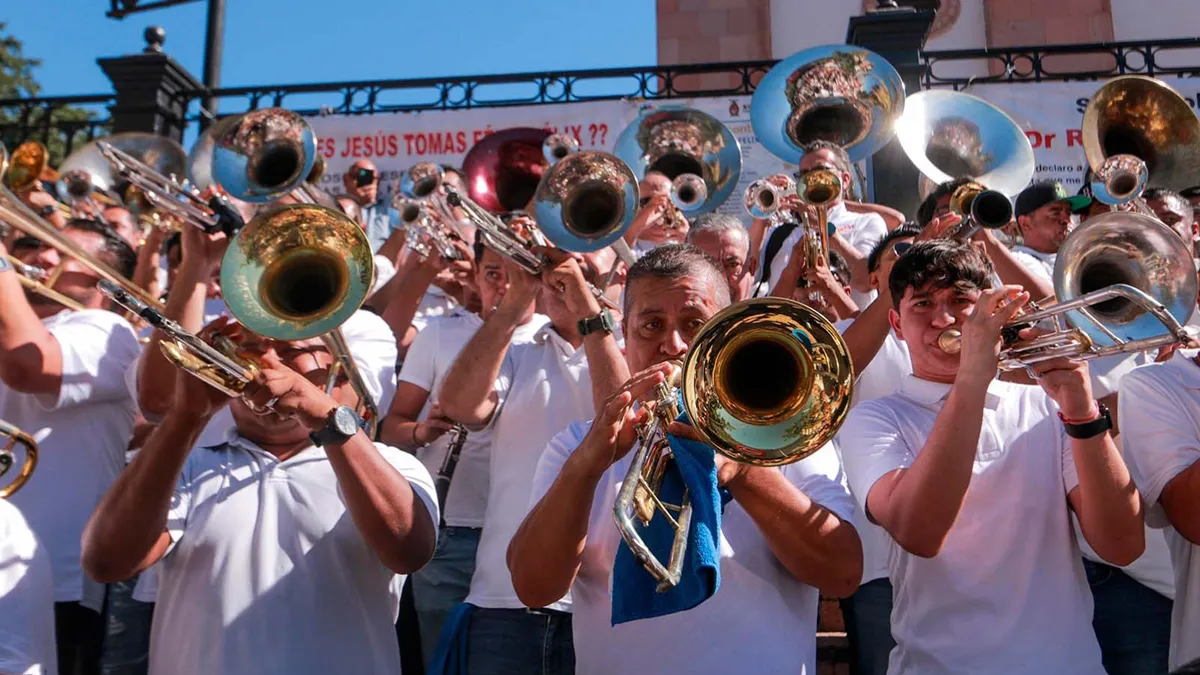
pixel 894 320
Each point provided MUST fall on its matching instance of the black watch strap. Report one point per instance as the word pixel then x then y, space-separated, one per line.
pixel 1090 429
pixel 593 324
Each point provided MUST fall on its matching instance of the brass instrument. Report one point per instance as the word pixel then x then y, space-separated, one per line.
pixel 767 382
pixel 200 158
pixel 1138 130
pixel 695 150
pixel 16 437
pixel 587 201
pixel 425 235
pixel 819 189
pixel 949 135
pixel 20 216
pixel 262 155
pixel 839 93
pixel 1125 283
pixel 37 281
pixel 765 196
pixel 26 166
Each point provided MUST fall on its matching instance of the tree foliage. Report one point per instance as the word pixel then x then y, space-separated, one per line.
pixel 18 81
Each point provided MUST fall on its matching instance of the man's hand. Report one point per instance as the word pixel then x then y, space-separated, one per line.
pixel 564 276
pixel 288 393
pixel 939 228
pixel 614 430
pixel 193 395
pixel 981 340
pixel 728 471
pixel 652 217
pixel 433 427
pixel 1068 383
pixel 205 251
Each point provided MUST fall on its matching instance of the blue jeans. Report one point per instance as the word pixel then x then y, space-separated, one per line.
pixel 126 632
pixel 520 642
pixel 443 583
pixel 1132 622
pixel 868 618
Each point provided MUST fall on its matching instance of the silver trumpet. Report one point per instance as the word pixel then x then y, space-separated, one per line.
pixel 765 196
pixel 424 230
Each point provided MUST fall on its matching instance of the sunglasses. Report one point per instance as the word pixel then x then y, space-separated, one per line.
pixel 364 177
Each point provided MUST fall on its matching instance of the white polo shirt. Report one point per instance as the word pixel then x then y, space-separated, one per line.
pixel 267 571
pixel 881 377
pixel 434 303
pixel 544 385
pixel 429 359
pixel 84 433
pixel 1007 594
pixel 26 599
pixel 1160 422
pixel 1037 262
pixel 761 616
pixel 861 230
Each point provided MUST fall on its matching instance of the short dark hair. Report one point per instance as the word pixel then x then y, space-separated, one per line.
pixel 173 241
pixel 676 261
pixel 839 153
pixel 929 205
pixel 906 231
pixel 940 264
pixel 116 253
pixel 477 246
pixel 1164 195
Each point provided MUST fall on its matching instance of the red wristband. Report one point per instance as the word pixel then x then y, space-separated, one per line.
pixel 1066 420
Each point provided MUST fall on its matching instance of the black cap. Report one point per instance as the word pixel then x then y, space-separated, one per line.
pixel 1042 193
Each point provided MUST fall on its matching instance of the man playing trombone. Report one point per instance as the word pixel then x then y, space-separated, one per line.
pixel 786 535
pixel 974 479
pixel 280 546
pixel 62 370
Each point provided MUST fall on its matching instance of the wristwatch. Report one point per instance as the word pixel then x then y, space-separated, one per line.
pixel 1090 429
pixel 341 425
pixel 601 322
pixel 5 265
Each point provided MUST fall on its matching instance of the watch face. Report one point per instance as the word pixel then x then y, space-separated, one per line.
pixel 345 421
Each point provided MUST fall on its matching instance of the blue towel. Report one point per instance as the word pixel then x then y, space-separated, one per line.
pixel 635 591
pixel 450 657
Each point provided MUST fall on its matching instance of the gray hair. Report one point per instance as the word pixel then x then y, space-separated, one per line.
pixel 718 224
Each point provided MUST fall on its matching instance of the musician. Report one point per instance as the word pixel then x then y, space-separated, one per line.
pixel 960 552
pixel 26 598
pixel 1174 211
pixel 725 240
pixel 658 221
pixel 62 373
pixel 280 546
pixel 785 537
pixel 123 224
pixel 1160 410
pixel 525 393
pixel 416 424
pixel 825 286
pixel 854 233
pixel 1045 215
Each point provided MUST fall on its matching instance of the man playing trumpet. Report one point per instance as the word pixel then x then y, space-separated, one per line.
pixel 280 546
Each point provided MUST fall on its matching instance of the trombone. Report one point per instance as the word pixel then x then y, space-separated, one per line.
pixel 20 216
pixel 767 382
pixel 1125 282
pixel 37 281
pixel 16 437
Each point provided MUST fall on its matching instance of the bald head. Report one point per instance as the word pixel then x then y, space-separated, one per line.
pixel 362 182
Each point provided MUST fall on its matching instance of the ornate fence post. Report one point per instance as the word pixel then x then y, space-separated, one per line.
pixel 148 88
pixel 897 35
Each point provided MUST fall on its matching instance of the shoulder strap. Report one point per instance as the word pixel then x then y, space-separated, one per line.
pixel 774 244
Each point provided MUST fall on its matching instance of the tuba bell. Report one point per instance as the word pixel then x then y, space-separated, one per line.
pixel 839 93
pixel 1137 131
pixel 15 437
pixel 698 153
pixel 767 382
pixel 949 135
pixel 1124 283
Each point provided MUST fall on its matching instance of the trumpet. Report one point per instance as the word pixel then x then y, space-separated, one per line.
pixel 765 196
pixel 16 437
pixel 767 382
pixel 1125 282
pixel 979 207
pixel 424 230
pixel 37 281
pixel 818 189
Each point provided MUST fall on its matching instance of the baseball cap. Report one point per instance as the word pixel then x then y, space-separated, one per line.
pixel 1042 193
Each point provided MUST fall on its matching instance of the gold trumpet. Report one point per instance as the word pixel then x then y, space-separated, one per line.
pixel 818 189
pixel 16 437
pixel 20 216
pixel 979 207
pixel 766 382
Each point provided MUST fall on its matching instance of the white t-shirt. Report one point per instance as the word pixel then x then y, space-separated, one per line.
pixel 1160 422
pixel 435 302
pixel 1007 594
pixel 83 435
pixel 861 230
pixel 1039 263
pixel 544 385
pixel 429 359
pixel 267 571
pixel 881 377
pixel 26 599
pixel 761 614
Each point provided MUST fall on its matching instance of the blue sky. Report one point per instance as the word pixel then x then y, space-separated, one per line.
pixel 291 41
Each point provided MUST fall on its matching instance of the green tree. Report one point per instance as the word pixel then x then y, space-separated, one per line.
pixel 17 81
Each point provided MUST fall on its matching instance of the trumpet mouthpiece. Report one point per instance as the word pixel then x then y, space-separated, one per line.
pixel 950 341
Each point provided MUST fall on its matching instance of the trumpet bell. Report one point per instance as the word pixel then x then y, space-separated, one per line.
pixel 765 196
pixel 1120 179
pixel 1144 117
pixel 504 169
pixel 586 201
pixel 677 141
pixel 264 155
pixel 421 180
pixel 767 381
pixel 848 95
pixel 297 272
pixel 688 193
pixel 1125 248
pixel 949 135
pixel 87 168
pixel 26 166
pixel 557 146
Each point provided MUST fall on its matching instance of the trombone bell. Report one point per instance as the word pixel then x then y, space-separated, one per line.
pixel 16 437
pixel 586 201
pixel 264 155
pixel 26 166
pixel 503 170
